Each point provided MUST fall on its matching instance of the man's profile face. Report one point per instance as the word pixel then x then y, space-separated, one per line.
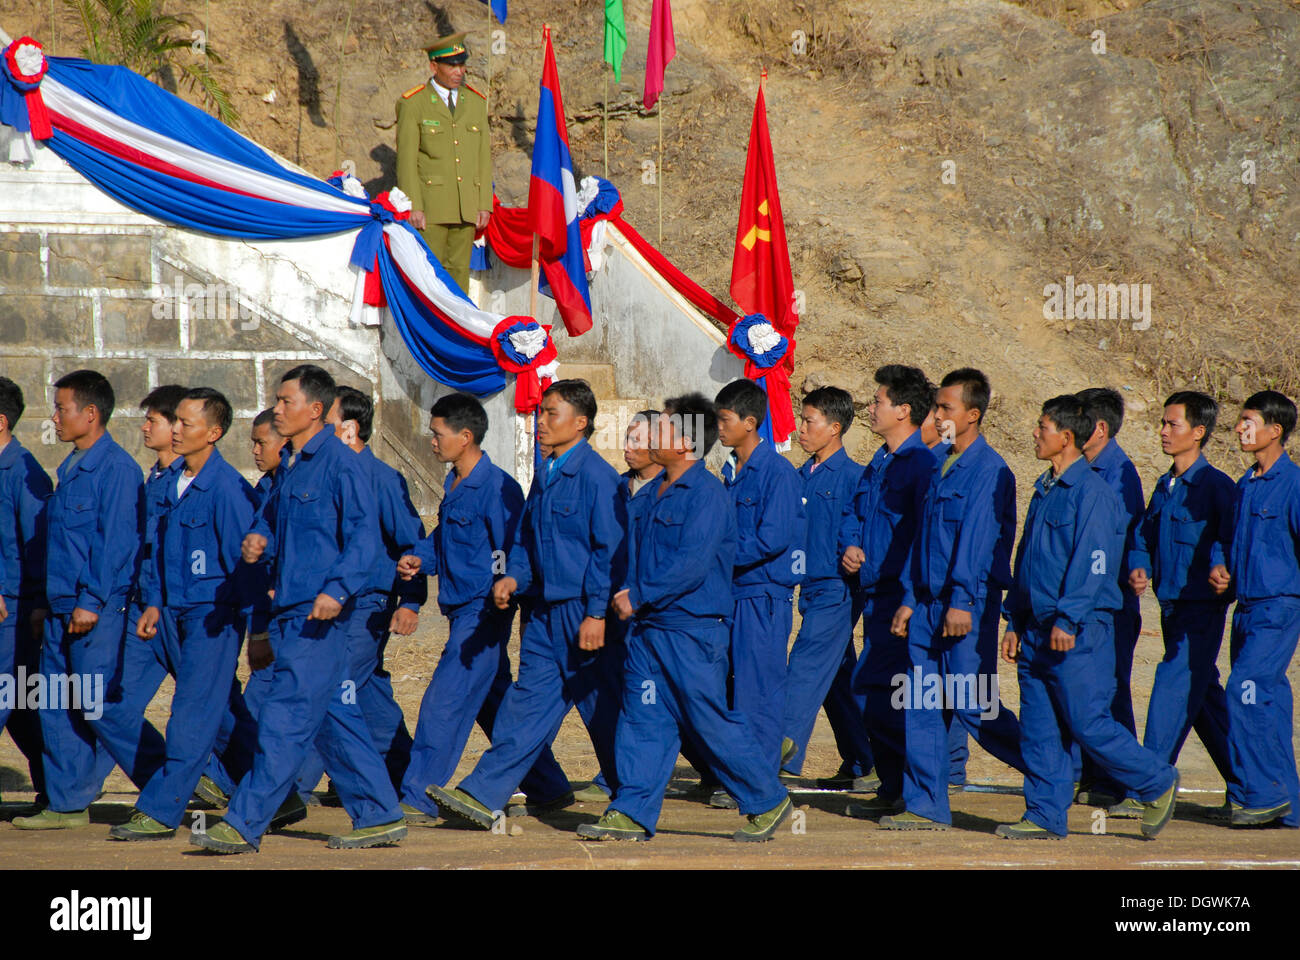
pixel 266 447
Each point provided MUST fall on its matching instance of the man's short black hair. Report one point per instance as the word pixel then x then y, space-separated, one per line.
pixel 744 398
pixel 163 399
pixel 1274 407
pixel 975 389
pixel 216 408
pixel 11 402
pixel 907 385
pixel 315 383
pixel 265 419
pixel 1200 409
pixel 355 405
pixel 461 411
pixel 695 419
pixel 834 404
pixel 89 387
pixel 1068 412
pixel 577 394
pixel 643 416
pixel 1106 406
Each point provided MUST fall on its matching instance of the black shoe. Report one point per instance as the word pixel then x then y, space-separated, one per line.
pixel 1091 796
pixel 291 811
pixel 330 798
pixel 722 800
pixel 530 809
pixel 844 780
pixel 874 808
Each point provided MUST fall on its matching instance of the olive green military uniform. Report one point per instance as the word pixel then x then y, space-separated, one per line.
pixel 444 164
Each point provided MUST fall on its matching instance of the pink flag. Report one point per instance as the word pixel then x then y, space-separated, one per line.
pixel 662 50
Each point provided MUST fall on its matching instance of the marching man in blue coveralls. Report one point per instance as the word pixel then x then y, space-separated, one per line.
pixel 566 557
pixel 478 521
pixel 24 489
pixel 95 518
pixel 192 618
pixel 1264 566
pixel 388 603
pixel 820 669
pixel 1060 616
pixel 1187 526
pixel 875 541
pixel 770 562
pixel 681 558
pixel 320 528
pixel 1108 459
pixel 952 600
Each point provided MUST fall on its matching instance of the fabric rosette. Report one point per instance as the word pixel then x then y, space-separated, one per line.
pixel 524 347
pixel 25 66
pixel 764 350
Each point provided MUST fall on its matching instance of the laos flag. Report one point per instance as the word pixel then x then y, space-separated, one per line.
pixel 553 205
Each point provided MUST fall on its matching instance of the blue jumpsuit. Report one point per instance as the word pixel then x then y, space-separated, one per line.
pixel 478 521
pixel 192 582
pixel 322 533
pixel 681 558
pixel 820 668
pixel 24 489
pixel 1265 567
pixel 770 532
pixel 881 519
pixel 564 561
pixel 95 521
pixel 1187 529
pixel 1065 577
pixel 961 560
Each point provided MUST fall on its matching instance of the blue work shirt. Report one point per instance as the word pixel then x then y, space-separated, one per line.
pixel 1065 564
pixel 1186 529
pixel 24 489
pixel 881 518
pixel 682 550
pixel 157 482
pixel 262 489
pixel 827 490
pixel 478 521
pixel 966 532
pixel 1114 466
pixel 1265 557
pixel 255 580
pixel 199 537
pixel 632 502
pixel 320 524
pixel 96 522
pixel 571 533
pixel 771 526
pixel 400 529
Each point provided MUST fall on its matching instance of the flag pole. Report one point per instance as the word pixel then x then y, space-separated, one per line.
pixel 660 177
pixel 605 126
pixel 537 241
pixel 487 97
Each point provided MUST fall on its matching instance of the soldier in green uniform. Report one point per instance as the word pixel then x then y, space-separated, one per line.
pixel 444 157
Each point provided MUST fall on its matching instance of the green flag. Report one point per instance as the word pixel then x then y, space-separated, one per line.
pixel 615 37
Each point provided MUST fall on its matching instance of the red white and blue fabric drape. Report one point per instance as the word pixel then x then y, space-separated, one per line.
pixel 157 154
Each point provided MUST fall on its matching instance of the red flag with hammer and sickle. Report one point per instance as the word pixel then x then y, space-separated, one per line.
pixel 760 268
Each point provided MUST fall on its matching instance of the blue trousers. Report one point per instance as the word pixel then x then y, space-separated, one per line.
pixel 367 639
pixel 884 657
pixel 819 673
pixel 201 647
pixel 958 753
pixel 1127 628
pixel 975 706
pixel 554 675
pixel 760 642
pixel 469 683
pixel 1186 694
pixel 20 647
pixel 1065 697
pixel 675 679
pixel 81 745
pixel 308 702
pixel 1264 635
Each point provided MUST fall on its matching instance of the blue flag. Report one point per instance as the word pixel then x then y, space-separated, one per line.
pixel 499 8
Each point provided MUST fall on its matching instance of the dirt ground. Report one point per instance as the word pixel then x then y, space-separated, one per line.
pixel 691 835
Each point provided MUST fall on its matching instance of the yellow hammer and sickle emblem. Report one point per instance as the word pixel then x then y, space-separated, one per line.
pixel 755 232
